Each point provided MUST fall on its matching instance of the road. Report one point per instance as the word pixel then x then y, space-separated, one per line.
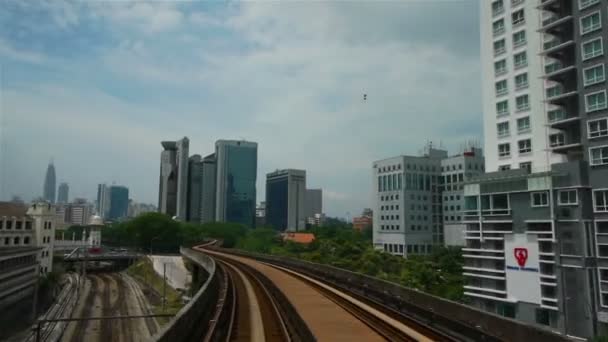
pixel 111 294
pixel 178 276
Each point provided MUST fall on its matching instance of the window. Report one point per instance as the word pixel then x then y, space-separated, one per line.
pixel 499 47
pixel 520 60
pixel 598 128
pixel 518 18
pixel 498 27
pixel 567 197
pixel 521 81
pixel 501 87
pixel 497 8
pixel 522 103
pixel 523 124
pixel 556 115
pixel 600 200
pixel 554 91
pixel 519 38
pixel 595 101
pixel 594 74
pixel 540 199
pixel 504 150
pixel 598 155
pixel 557 140
pixel 502 108
pixel 590 22
pixel 586 3
pixel 503 129
pixel 592 48
pixel 526 166
pixel 500 67
pixel 525 146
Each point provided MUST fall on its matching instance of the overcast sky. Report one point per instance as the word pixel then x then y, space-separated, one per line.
pixel 97 85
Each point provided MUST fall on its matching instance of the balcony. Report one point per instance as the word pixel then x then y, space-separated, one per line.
pixel 557 25
pixel 557 48
pixel 565 142
pixel 560 7
pixel 557 72
pixel 560 95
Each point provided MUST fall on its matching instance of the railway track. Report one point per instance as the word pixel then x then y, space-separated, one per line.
pixel 254 304
pixel 253 312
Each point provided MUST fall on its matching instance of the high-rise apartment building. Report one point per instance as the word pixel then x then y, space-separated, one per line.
pixel 285 199
pixel 173 185
pixel 235 181
pixel 78 212
pixel 515 123
pixel 48 192
pixel 195 189
pixel 208 189
pixel 536 249
pixel 409 193
pixel 63 193
pixel 119 202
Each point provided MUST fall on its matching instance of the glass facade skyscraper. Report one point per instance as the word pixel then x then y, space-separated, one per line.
pixel 236 181
pixel 119 202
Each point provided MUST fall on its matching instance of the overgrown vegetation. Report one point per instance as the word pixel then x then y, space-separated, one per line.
pixel 439 273
pixel 152 287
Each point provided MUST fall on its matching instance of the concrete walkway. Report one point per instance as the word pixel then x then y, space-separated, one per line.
pixel 177 274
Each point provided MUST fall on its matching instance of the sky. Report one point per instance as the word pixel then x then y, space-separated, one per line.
pixel 96 85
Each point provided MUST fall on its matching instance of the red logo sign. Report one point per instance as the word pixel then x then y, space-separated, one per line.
pixel 521 254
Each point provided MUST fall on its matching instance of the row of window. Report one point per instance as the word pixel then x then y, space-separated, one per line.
pixel 46 239
pixel 452 198
pixel 498 7
pixel 523 126
pixel 389 207
pixel 16 241
pixel 520 60
pixel 7 264
pixel 522 104
pixel 564 197
pixel 524 146
pixel 9 224
pixel 389 227
pixel 389 198
pixel 521 82
pixel 389 217
pixel 517 19
pixel 395 248
pixel 48 225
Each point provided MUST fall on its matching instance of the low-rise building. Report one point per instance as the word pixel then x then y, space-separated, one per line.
pixel 362 222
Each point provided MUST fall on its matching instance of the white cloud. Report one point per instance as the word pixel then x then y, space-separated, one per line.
pixel 9 51
pixel 268 73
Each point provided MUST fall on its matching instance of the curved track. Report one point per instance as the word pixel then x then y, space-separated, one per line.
pixel 347 315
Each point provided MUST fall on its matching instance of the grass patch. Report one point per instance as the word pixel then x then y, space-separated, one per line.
pixel 152 286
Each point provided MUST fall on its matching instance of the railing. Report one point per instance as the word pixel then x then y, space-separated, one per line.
pixel 192 321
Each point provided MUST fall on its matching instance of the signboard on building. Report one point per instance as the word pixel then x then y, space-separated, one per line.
pixel 522 268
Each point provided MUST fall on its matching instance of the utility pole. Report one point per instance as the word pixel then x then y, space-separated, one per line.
pixel 164 285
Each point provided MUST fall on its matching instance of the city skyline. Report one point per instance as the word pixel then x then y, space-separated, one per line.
pixel 305 107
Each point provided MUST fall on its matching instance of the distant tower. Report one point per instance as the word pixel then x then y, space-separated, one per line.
pixel 63 193
pixel 173 187
pixel 49 184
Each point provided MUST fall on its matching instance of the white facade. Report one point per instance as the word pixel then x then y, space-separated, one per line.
pixel 43 217
pixel 509 32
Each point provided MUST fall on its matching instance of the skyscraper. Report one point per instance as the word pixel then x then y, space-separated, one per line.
pixel 515 119
pixel 119 202
pixel 285 199
pixel 313 202
pixel 103 200
pixel 535 245
pixel 173 185
pixel 49 184
pixel 63 193
pixel 235 185
pixel 208 191
pixel 195 189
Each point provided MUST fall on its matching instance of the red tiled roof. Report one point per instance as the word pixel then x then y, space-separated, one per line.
pixel 305 238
